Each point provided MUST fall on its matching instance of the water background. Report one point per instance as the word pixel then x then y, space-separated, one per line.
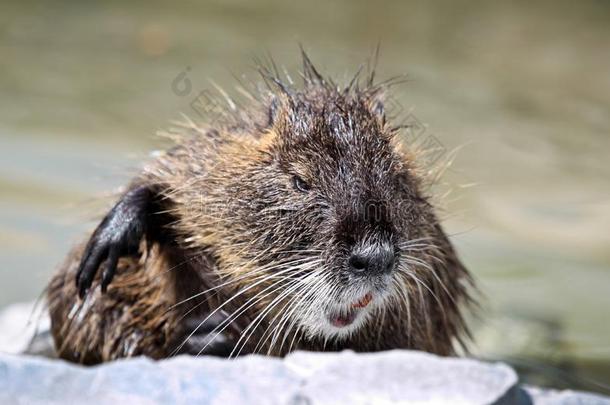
pixel 522 89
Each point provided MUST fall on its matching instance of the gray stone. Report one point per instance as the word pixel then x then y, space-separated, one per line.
pixel 540 396
pixel 301 378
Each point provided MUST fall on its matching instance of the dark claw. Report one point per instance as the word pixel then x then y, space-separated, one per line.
pixel 119 233
pixel 108 274
pixel 88 268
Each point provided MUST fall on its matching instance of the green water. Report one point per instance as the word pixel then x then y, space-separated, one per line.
pixel 523 89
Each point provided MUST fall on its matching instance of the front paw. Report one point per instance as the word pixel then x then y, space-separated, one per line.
pixel 206 336
pixel 119 234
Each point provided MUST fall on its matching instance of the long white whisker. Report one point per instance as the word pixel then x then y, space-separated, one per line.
pixel 281 314
pixel 239 293
pixel 311 296
pixel 254 324
pixel 288 311
pixel 243 308
pixel 244 276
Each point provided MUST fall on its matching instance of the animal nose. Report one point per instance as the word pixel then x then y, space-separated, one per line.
pixel 376 259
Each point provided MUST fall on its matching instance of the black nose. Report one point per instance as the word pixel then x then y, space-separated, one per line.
pixel 374 259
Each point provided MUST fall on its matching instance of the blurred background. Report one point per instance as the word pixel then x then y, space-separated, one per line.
pixel 522 89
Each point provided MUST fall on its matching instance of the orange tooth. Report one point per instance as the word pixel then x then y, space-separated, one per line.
pixel 364 301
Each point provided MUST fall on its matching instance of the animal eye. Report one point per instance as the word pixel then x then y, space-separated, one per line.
pixel 300 184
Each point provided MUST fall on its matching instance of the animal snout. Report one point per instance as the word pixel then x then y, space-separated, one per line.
pixel 374 259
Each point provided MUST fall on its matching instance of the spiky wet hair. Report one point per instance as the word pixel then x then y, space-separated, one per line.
pixel 256 104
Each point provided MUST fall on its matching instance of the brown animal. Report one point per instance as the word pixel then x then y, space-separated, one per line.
pixel 297 222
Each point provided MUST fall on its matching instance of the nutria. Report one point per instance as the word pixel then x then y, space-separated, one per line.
pixel 300 221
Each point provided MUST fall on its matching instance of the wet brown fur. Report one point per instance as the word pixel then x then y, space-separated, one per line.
pixel 220 184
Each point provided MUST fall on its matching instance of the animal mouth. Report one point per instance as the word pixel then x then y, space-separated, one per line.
pixel 346 318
